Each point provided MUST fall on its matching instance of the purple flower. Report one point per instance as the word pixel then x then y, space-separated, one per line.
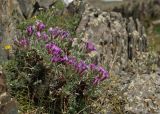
pixel 30 30
pixel 55 59
pixel 50 30
pixel 1 39
pixel 64 59
pixel 53 49
pixel 48 46
pixel 15 39
pixel 104 74
pixel 72 61
pixel 23 42
pixel 44 36
pixel 90 46
pixel 38 35
pixel 96 80
pixel 40 26
pixel 93 66
pixel 82 66
pixel 79 66
pixel 55 32
pixel 64 34
pixel 101 69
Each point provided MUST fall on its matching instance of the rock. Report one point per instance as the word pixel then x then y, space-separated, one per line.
pixel 2 83
pixel 144 11
pixel 143 95
pixel 29 7
pixel 67 2
pixel 46 3
pixel 26 7
pixel 75 7
pixel 122 44
pixel 10 14
pixel 7 104
pixel 118 38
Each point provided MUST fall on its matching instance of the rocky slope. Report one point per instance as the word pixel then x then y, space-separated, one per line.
pixel 146 11
pixel 143 94
pixel 122 44
pixel 117 38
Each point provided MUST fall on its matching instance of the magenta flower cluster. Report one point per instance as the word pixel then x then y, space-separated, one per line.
pixel 1 39
pixel 58 55
pixel 55 51
pixel 57 32
pixel 23 42
pixel 40 26
pixel 80 66
pixel 90 46
pixel 54 32
pixel 30 30
pixel 103 74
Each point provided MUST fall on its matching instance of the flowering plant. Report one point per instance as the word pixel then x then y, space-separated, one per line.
pixel 58 72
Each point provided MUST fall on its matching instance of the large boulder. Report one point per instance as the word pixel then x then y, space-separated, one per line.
pixel 122 45
pixel 118 39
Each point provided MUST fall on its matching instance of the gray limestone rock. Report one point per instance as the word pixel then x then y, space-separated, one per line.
pixel 116 36
pixel 143 95
pixel 26 7
pixel 122 44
